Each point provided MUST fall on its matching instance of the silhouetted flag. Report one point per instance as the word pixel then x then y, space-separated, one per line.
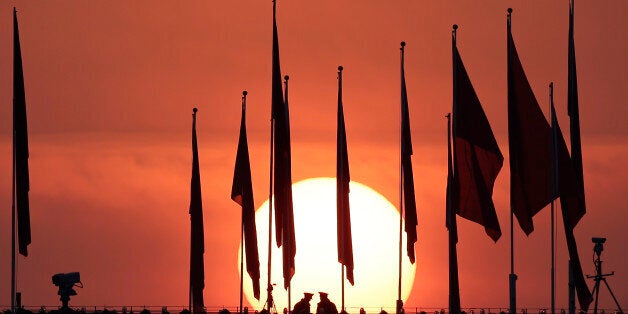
pixel 197 238
pixel 454 285
pixel 571 204
pixel 574 119
pixel 529 138
pixel 572 217
pixel 477 158
pixel 242 193
pixel 345 247
pixel 406 168
pixel 20 146
pixel 284 220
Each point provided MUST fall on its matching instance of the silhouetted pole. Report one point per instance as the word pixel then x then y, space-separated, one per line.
pixel 13 257
pixel 13 214
pixel 554 187
pixel 512 278
pixel 401 178
pixel 342 266
pixel 454 282
pixel 269 288
pixel 285 101
pixel 244 93
pixel 571 290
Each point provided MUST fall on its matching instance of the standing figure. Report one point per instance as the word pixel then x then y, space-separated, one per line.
pixel 325 306
pixel 303 306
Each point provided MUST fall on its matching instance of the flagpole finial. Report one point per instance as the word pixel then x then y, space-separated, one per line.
pixel 455 26
pixel 340 68
pixel 244 93
pixel 286 77
pixel 194 110
pixel 509 10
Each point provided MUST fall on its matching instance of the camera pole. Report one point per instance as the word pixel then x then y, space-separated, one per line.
pixel 597 249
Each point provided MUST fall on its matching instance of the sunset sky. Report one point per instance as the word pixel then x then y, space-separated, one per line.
pixel 110 87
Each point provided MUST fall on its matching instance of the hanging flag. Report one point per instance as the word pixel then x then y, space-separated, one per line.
pixel 242 193
pixel 345 247
pixel 20 146
pixel 197 237
pixel 284 220
pixel 477 158
pixel 572 215
pixel 574 119
pixel 454 285
pixel 407 178
pixel 571 202
pixel 529 137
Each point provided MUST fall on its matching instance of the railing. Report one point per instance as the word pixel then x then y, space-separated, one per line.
pixel 180 309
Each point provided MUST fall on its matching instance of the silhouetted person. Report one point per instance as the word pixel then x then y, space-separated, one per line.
pixel 303 306
pixel 325 306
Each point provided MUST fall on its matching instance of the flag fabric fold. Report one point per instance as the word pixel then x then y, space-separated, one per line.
pixel 345 246
pixel 407 178
pixel 529 139
pixel 284 220
pixel 574 120
pixel 477 157
pixel 197 237
pixel 20 146
pixel 242 193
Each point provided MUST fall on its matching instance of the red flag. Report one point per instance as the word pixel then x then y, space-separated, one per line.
pixel 529 138
pixel 284 220
pixel 572 215
pixel 242 193
pixel 477 158
pixel 197 237
pixel 407 178
pixel 574 119
pixel 572 205
pixel 20 146
pixel 345 247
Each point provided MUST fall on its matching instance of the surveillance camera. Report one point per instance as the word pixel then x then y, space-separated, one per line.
pixel 66 280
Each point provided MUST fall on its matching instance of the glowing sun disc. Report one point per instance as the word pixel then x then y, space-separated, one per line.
pixel 375 233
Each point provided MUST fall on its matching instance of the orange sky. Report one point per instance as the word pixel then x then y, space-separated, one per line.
pixel 110 86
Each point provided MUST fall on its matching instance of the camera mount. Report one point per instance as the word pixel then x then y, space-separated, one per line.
pixel 599 276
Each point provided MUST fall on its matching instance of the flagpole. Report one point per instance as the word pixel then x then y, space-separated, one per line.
pixel 571 286
pixel 13 257
pixel 241 261
pixel 269 289
pixel 342 268
pixel 398 306
pixel 286 78
pixel 454 284
pixel 512 278
pixel 244 93
pixel 552 211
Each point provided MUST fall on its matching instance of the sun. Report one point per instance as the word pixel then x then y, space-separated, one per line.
pixel 375 233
